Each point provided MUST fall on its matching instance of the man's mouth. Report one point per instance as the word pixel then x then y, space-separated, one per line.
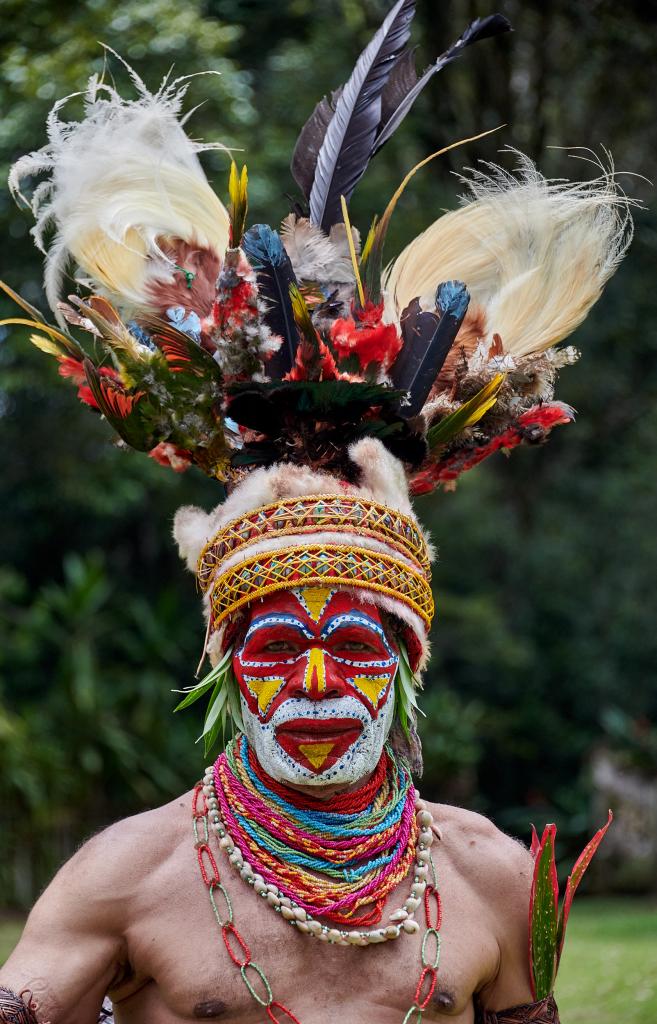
pixel 317 743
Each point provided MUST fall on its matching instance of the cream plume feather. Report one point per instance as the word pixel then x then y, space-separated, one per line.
pixel 316 256
pixel 533 253
pixel 124 185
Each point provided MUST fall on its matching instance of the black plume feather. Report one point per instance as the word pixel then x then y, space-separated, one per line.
pixel 344 132
pixel 309 142
pixel 266 254
pixel 428 337
pixel 348 143
pixel 404 87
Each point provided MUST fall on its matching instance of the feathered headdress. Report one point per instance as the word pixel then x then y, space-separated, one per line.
pixel 288 364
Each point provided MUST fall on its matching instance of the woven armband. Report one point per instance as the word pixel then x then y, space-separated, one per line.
pixel 544 1012
pixel 14 1009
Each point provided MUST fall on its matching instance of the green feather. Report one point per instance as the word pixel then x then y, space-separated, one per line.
pixel 467 415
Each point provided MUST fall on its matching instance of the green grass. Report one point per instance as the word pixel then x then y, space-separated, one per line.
pixel 608 972
pixel 10 930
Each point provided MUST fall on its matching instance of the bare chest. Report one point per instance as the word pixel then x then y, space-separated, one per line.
pixel 184 969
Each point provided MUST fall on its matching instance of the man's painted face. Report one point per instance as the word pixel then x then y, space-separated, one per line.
pixel 316 672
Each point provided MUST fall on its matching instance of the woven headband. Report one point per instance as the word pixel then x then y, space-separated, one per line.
pixel 400 572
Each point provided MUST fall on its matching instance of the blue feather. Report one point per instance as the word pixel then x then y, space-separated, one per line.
pixel 266 254
pixel 452 299
pixel 263 247
pixel 428 337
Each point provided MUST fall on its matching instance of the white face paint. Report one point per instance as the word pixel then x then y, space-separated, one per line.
pixel 358 760
pixel 316 675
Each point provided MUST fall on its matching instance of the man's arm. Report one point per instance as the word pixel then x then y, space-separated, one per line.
pixel 72 947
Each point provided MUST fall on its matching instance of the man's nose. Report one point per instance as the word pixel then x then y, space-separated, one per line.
pixel 319 679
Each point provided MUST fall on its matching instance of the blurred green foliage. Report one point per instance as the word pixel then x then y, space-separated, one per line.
pixel 545 583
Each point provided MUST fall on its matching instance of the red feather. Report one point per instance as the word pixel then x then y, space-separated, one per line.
pixel 364 335
pixel 171 456
pixel 533 426
pixel 74 370
pixel 320 359
pixel 119 402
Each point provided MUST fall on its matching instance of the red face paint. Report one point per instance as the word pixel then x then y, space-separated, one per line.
pixel 316 645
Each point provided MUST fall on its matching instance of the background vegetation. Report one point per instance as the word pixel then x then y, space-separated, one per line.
pixel 544 643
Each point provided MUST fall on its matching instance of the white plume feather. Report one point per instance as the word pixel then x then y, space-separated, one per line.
pixel 316 256
pixel 122 182
pixel 534 253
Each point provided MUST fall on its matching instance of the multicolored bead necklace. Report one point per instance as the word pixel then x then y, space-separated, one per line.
pixel 306 856
pixel 253 976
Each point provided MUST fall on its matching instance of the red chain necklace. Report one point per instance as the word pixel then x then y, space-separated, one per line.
pixel 253 976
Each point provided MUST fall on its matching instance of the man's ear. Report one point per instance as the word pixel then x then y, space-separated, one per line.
pixel 192 529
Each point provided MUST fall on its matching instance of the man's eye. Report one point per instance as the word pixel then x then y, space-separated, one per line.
pixel 356 645
pixel 276 646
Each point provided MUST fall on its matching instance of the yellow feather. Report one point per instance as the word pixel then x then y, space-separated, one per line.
pixel 52 331
pixel 368 241
pixel 467 414
pixel 352 250
pixel 301 313
pixel 46 345
pixel 382 226
pixel 237 190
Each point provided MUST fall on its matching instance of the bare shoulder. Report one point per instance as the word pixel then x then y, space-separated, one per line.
pixel 110 867
pixel 497 870
pixel 483 854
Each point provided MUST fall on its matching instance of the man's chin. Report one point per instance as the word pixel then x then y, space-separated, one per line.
pixel 338 747
pixel 318 745
pixel 287 759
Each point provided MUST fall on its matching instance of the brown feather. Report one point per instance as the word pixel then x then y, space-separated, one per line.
pixel 175 291
pixel 472 330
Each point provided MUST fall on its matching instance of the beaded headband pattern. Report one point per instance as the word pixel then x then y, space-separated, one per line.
pixel 320 565
pixel 232 573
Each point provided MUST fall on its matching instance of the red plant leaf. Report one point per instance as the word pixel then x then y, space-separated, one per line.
pixel 543 906
pixel 534 848
pixel 575 877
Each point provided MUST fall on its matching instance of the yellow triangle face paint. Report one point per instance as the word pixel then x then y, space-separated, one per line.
pixel 372 687
pixel 264 690
pixel 316 753
pixel 315 600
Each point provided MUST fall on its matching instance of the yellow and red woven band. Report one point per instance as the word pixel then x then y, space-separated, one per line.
pixel 319 513
pixel 320 565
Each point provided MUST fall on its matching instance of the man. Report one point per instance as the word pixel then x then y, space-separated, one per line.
pixel 304 878
pixel 129 915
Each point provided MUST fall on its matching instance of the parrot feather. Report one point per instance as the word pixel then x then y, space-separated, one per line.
pixel 466 416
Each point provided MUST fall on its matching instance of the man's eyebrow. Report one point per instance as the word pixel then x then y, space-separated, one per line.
pixel 351 619
pixel 277 619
